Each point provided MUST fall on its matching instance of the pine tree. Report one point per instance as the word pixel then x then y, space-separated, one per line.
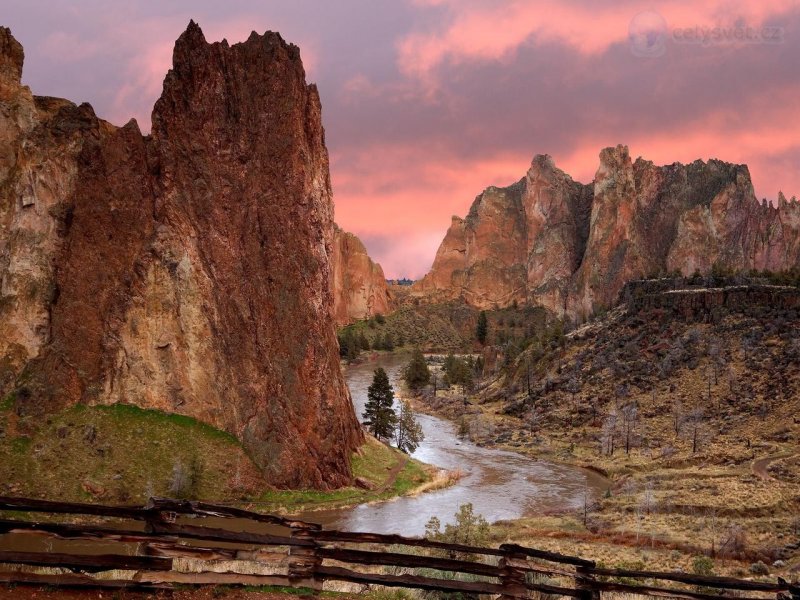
pixel 379 415
pixel 409 432
pixel 348 345
pixel 483 328
pixel 363 342
pixel 416 374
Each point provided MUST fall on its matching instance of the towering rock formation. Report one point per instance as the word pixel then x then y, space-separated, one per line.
pixel 571 247
pixel 359 286
pixel 188 270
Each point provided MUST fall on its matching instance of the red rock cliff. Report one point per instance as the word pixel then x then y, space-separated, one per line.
pixel 187 271
pixel 571 247
pixel 360 290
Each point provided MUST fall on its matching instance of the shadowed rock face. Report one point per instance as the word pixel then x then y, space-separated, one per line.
pixel 187 271
pixel 360 290
pixel 571 247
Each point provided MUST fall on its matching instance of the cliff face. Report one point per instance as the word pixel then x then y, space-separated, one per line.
pixel 571 247
pixel 187 271
pixel 359 285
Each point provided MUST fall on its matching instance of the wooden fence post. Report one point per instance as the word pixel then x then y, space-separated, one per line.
pixel 584 579
pixel 512 578
pixel 304 561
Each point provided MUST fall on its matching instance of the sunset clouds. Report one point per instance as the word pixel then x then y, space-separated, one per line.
pixel 427 102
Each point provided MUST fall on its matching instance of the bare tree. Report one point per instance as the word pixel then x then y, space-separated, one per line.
pixel 534 420
pixel 678 416
pixel 696 420
pixel 574 387
pixel 609 432
pixel 630 416
pixel 648 500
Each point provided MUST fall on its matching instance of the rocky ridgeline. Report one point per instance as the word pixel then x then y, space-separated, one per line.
pixel 188 270
pixel 360 290
pixel 571 247
pixel 701 299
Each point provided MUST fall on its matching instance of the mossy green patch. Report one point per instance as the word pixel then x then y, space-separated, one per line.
pixel 373 463
pixel 7 402
pixel 123 453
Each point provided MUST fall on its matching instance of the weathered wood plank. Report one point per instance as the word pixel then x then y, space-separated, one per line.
pixel 646 590
pixel 191 507
pixel 332 535
pixel 223 535
pixel 85 562
pixel 408 560
pixel 224 579
pixel 704 580
pixel 70 531
pixel 413 581
pixel 526 565
pixel 546 555
pixel 77 581
pixel 78 508
pixel 158 532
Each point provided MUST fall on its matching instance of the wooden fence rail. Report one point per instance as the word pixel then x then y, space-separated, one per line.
pixel 171 541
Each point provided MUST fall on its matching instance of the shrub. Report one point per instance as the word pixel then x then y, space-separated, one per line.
pixel 702 565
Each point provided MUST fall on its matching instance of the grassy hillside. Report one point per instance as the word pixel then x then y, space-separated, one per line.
pixel 121 453
pixel 124 454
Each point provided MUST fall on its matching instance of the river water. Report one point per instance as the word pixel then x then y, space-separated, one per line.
pixel 500 485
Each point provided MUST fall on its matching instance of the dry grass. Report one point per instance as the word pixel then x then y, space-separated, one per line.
pixel 665 503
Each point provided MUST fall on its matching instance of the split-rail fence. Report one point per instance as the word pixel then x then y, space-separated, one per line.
pixel 169 542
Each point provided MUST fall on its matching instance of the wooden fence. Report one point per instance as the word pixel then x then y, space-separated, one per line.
pixel 172 542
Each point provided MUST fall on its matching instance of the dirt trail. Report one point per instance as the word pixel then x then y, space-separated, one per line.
pixel 761 466
pixel 393 473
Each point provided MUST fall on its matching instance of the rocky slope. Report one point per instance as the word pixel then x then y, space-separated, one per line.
pixel 571 247
pixel 188 270
pixel 359 286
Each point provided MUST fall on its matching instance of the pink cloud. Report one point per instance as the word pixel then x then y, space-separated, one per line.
pixel 491 31
pixel 401 194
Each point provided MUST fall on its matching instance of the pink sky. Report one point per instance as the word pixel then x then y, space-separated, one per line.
pixel 427 102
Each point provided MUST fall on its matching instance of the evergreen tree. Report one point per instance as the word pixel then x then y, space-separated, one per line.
pixel 457 371
pixel 348 345
pixel 377 343
pixel 379 415
pixel 409 432
pixel 416 374
pixel 363 342
pixel 388 342
pixel 478 371
pixel 483 328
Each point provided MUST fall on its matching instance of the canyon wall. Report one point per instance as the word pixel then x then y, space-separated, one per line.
pixel 360 290
pixel 188 270
pixel 571 247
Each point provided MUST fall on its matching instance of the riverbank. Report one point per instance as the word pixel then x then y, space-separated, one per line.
pixel 654 513
pixel 381 473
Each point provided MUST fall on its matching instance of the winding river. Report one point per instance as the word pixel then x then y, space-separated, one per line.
pixel 501 485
